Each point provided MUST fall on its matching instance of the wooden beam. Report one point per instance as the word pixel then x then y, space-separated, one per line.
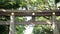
pixel 26 22
pixel 29 12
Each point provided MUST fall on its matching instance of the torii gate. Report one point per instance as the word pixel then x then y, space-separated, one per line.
pixel 33 13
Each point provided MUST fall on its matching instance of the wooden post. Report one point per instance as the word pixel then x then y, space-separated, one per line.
pixel 54 25
pixel 33 17
pixel 12 24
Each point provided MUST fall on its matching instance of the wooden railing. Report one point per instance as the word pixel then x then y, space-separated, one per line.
pixel 33 13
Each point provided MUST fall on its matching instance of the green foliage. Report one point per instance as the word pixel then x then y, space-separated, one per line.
pixel 20 29
pixel 42 29
pixel 43 18
pixel 9 4
pixel 14 4
pixel 58 17
pixel 19 18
